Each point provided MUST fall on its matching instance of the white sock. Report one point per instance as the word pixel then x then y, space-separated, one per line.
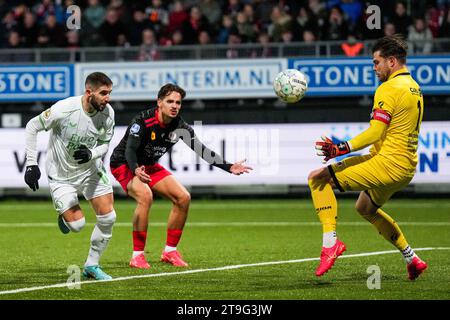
pixel 170 249
pixel 329 239
pixel 136 253
pixel 408 254
pixel 100 237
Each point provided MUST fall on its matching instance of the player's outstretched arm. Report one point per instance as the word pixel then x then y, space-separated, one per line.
pixel 330 150
pixel 32 172
pixel 239 168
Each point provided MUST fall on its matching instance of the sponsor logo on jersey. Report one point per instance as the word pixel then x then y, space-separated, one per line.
pixel 416 92
pixel 318 210
pixel 172 137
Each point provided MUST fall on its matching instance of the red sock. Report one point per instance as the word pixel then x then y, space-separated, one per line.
pixel 139 238
pixel 173 237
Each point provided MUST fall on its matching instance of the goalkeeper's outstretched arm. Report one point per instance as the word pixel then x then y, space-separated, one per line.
pixel 330 150
pixel 369 136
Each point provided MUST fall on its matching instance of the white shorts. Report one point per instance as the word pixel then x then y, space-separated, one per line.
pixel 65 194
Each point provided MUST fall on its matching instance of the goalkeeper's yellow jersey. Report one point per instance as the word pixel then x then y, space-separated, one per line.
pixel 398 102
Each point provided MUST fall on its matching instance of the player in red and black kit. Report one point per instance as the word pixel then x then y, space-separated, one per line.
pixel 134 163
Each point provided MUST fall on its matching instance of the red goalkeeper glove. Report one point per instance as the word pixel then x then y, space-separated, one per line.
pixel 330 150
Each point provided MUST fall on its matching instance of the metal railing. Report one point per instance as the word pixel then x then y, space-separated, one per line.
pixel 319 49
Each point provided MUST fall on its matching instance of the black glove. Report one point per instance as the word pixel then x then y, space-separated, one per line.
pixel 32 175
pixel 83 154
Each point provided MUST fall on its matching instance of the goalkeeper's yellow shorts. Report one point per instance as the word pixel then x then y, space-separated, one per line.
pixel 368 173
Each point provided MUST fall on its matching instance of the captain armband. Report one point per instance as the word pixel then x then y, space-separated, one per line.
pixel 381 115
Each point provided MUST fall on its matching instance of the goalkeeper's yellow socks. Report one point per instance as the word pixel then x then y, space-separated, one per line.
pixel 325 205
pixel 389 229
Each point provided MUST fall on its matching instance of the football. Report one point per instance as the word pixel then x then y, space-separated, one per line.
pixel 290 85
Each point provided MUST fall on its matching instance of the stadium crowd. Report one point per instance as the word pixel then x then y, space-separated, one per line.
pixel 153 23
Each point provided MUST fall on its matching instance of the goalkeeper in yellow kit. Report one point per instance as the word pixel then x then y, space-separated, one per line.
pixel 389 167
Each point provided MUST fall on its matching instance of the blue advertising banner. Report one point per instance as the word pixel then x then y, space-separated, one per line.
pixel 36 83
pixel 355 76
pixel 211 79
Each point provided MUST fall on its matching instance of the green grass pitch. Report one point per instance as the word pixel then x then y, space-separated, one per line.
pixel 270 243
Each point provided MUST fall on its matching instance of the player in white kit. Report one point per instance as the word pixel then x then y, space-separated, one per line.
pixel 81 128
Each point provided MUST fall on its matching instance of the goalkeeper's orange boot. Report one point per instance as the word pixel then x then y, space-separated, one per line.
pixel 329 256
pixel 416 268
pixel 139 262
pixel 174 258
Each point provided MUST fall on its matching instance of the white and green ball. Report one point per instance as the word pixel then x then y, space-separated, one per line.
pixel 290 85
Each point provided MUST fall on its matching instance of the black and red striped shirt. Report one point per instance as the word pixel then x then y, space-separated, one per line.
pixel 146 140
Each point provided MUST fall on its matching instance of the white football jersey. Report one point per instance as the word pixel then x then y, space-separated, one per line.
pixel 70 127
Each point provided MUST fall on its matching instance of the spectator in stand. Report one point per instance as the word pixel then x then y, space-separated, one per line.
pixel 245 29
pixel 52 34
pixel 8 24
pixel 263 10
pixel 352 10
pixel 19 12
pixel 305 20
pixel 224 32
pixel 265 51
pixel 389 29
pixel 309 38
pixel 212 11
pixel 177 16
pixel 112 27
pixel 29 30
pixel 249 13
pixel 61 11
pixel 444 28
pixel 421 37
pixel 42 9
pixel 232 7
pixel 14 42
pixel 158 16
pixel 335 28
pixel 204 38
pixel 432 18
pixel 148 50
pixel 352 47
pixel 140 23
pixel 73 39
pixel 281 22
pixel 94 13
pixel 318 9
pixel 177 38
pixel 288 50
pixel 192 27
pixel 123 11
pixel 234 39
pixel 401 20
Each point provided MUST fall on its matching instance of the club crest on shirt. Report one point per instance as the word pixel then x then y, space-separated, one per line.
pixel 153 136
pixel 47 114
pixel 135 128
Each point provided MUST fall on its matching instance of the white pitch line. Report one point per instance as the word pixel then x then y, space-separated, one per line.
pixel 62 285
pixel 261 205
pixel 229 224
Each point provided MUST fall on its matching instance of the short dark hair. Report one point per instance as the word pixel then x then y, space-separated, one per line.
pixel 168 88
pixel 97 79
pixel 392 46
